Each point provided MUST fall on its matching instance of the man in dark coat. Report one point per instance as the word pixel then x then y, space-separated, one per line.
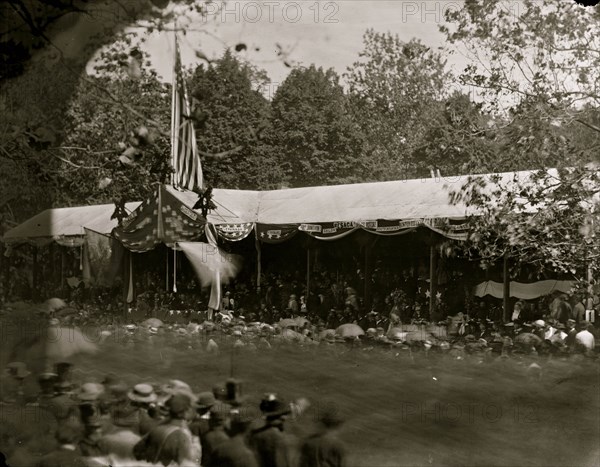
pixel 235 452
pixel 171 441
pixel 324 449
pixel 62 405
pixel 66 455
pixel 269 442
pixel 216 434
pixel 571 333
pixel 88 445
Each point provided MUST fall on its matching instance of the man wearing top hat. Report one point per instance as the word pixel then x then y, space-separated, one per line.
pixel 269 443
pixel 63 372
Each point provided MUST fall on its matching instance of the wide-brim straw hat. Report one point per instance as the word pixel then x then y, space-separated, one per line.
pixel 142 393
pixel 90 392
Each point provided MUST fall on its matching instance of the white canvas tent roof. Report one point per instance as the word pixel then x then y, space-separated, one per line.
pixel 66 222
pixel 404 199
pixel 393 200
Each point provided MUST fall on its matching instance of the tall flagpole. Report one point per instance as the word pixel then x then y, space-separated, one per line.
pixel 174 123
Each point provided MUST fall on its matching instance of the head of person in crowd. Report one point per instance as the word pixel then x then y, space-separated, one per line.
pixel 92 431
pixel 63 371
pixel 142 395
pixel 240 420
pixel 233 392
pixel 330 418
pixel 274 409
pixel 219 391
pixel 63 387
pixel 180 406
pixel 125 417
pixel 205 402
pixel 67 434
pixel 46 382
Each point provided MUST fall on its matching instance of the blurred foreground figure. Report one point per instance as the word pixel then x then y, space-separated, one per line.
pixel 324 448
pixel 269 442
pixel 171 441
pixel 66 455
pixel 235 452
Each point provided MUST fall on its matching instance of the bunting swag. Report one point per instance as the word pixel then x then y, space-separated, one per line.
pixel 160 219
pixel 275 233
pixel 455 229
pixel 102 259
pixel 234 232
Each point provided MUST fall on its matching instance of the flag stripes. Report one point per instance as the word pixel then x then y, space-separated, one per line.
pixel 184 153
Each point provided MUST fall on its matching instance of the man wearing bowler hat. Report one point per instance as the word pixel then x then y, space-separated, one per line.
pixel 269 442
pixel 216 434
pixel 200 425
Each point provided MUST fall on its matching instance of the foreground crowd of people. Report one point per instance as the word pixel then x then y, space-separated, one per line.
pixel 113 424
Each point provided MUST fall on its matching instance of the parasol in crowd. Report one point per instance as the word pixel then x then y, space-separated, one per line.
pixel 152 323
pixel 288 323
pixel 397 334
pixel 300 321
pixel 291 335
pixel 326 333
pixel 54 304
pixel 528 338
pixel 349 330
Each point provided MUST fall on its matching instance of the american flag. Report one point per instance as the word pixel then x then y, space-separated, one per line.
pixel 184 153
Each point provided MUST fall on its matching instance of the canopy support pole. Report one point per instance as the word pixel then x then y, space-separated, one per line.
pixel 63 265
pixel 35 274
pixel 505 289
pixel 258 263
pixel 174 269
pixel 432 279
pixel 368 274
pixel 307 271
pixel 167 271
pixel 52 255
pixel 126 276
